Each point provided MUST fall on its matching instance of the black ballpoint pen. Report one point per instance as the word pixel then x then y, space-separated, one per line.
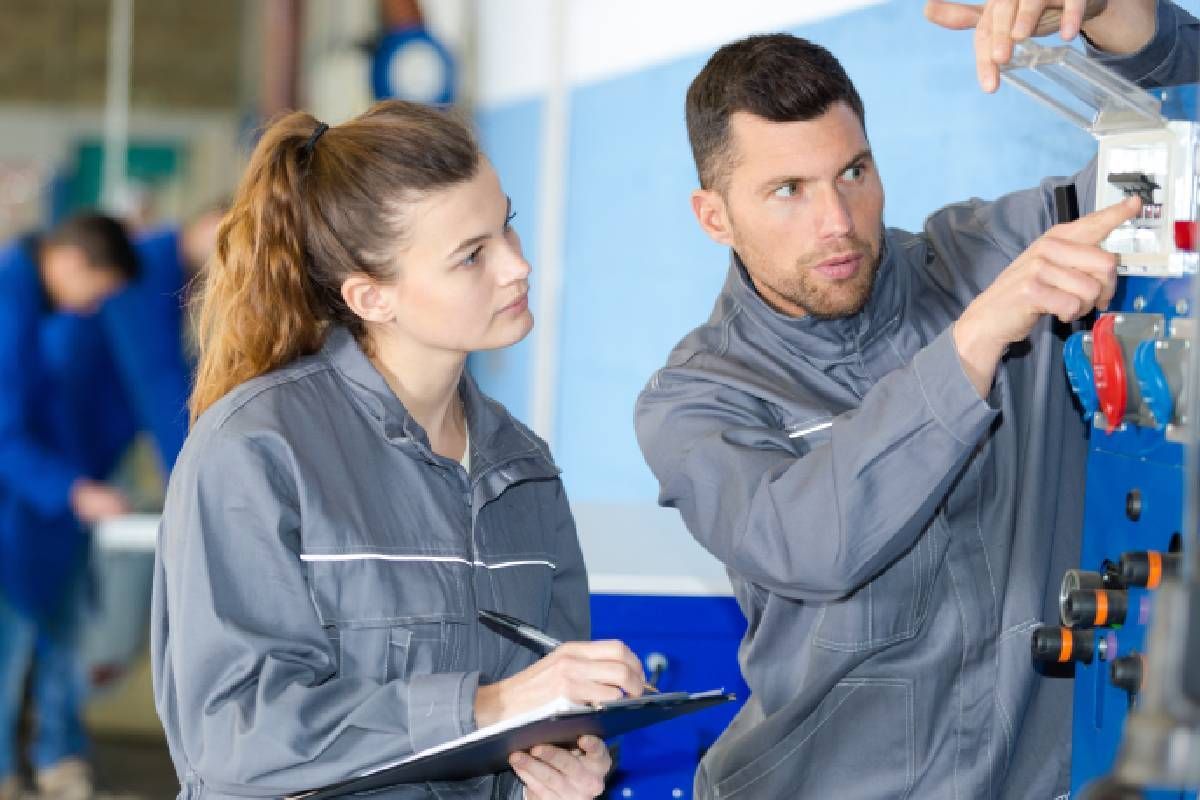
pixel 520 632
pixel 525 634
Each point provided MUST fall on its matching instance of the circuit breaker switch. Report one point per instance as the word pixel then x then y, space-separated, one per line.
pixel 1135 183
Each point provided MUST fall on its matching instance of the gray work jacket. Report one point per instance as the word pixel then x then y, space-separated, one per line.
pixel 318 574
pixel 891 537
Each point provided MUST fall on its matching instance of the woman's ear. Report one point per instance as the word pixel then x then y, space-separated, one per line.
pixel 368 299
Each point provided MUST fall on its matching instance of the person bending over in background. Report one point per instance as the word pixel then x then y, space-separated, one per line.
pixel 146 325
pixel 874 430
pixel 348 498
pixel 64 422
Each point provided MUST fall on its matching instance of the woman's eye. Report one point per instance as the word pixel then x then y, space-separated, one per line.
pixel 787 190
pixel 508 221
pixel 473 259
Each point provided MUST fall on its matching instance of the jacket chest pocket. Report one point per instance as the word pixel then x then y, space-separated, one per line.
pixel 519 568
pixel 892 606
pixel 523 588
pixel 392 616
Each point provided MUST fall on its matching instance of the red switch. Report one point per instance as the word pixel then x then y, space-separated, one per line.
pixel 1185 235
pixel 1108 365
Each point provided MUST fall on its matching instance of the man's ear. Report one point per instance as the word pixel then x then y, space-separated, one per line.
pixel 713 215
pixel 368 299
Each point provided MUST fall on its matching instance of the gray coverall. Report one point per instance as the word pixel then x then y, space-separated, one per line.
pixel 318 574
pixel 891 538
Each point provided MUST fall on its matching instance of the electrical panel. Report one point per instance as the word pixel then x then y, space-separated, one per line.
pixel 1132 375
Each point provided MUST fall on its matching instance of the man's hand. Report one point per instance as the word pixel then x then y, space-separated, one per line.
pixel 550 773
pixel 92 501
pixel 1064 273
pixel 1115 26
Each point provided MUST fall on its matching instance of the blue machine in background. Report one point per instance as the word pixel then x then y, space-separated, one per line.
pixel 691 642
pixel 1130 373
pixel 674 606
pixel 1132 530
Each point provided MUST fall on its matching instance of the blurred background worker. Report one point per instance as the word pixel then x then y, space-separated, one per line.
pixel 146 325
pixel 63 424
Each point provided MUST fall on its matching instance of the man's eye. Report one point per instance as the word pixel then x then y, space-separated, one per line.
pixel 854 173
pixel 789 189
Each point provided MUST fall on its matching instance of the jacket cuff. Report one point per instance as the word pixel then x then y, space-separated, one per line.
pixel 949 393
pixel 1140 66
pixel 441 707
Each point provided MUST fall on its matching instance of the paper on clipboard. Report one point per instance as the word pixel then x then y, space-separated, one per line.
pixel 486 750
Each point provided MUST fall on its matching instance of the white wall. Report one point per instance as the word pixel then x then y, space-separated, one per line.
pixel 607 38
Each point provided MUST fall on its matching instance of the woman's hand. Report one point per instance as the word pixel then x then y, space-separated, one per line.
pixel 552 773
pixel 582 672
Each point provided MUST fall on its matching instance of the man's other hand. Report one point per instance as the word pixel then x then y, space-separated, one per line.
pixel 999 24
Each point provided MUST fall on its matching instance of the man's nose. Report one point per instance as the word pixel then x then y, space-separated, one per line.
pixel 836 221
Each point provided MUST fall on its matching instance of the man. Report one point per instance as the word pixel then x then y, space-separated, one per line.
pixel 874 432
pixel 145 324
pixel 64 421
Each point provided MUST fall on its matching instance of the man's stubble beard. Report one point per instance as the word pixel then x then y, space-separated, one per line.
pixel 820 299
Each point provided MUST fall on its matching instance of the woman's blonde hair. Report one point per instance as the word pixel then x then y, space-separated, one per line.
pixel 311 209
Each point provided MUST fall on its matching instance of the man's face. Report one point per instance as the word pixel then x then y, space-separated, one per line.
pixel 75 284
pixel 802 205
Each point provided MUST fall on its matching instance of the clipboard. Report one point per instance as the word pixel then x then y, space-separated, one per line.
pixel 485 752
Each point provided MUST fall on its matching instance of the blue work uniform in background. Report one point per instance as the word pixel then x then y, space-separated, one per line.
pixel 63 416
pixel 144 323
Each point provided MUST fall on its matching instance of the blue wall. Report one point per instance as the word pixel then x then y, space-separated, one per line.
pixel 638 271
pixel 510 138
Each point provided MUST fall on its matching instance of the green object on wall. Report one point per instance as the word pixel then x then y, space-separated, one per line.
pixel 150 164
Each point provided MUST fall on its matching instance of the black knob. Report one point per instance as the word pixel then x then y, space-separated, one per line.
pixel 1095 608
pixel 1147 568
pixel 1051 643
pixel 1126 673
pixel 1073 580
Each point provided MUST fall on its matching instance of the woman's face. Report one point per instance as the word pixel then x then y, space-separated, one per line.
pixel 463 282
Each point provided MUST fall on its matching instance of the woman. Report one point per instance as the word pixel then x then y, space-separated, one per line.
pixel 347 498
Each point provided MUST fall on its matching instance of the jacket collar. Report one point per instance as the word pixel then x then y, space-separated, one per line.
pixel 496 438
pixel 828 340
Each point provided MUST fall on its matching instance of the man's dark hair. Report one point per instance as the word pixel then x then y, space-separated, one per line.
pixel 103 240
pixel 778 77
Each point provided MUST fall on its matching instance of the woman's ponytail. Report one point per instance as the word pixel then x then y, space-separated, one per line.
pixel 257 305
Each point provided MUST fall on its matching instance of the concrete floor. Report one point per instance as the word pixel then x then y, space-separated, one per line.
pixel 126 768
pixel 133 768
